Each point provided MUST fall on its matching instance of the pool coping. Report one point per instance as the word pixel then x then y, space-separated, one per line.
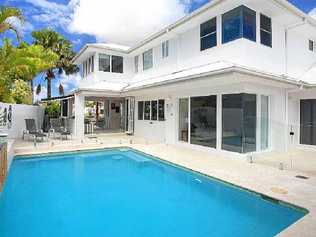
pixel 306 218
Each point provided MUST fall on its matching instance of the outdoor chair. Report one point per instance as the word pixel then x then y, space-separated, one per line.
pixel 32 130
pixel 56 127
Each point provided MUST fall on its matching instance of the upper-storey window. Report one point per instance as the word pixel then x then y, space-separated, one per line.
pixel 110 63
pixel 104 62
pixel 117 64
pixel 239 23
pixel 88 66
pixel 165 49
pixel 136 60
pixel 311 45
pixel 265 30
pixel 148 59
pixel 208 34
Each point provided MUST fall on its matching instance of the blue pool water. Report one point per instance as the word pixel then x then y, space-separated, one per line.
pixel 124 193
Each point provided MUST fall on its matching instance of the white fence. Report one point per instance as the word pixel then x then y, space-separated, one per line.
pixel 12 118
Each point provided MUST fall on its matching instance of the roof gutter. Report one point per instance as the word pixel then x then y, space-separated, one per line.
pixel 222 71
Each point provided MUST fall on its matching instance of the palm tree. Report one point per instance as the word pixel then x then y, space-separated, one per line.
pixel 22 63
pixel 53 41
pixel 6 15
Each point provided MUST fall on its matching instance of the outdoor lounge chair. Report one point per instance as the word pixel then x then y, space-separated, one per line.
pixel 56 127
pixel 32 130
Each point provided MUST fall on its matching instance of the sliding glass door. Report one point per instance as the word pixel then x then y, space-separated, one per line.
pixel 203 121
pixel 239 122
pixel 184 120
pixel 308 122
pixel 264 122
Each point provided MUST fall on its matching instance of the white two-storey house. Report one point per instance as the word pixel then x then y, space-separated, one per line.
pixel 235 75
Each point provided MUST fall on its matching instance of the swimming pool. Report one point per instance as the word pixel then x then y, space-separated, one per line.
pixel 122 192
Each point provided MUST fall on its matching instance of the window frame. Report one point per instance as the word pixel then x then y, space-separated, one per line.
pixel 311 43
pixel 153 116
pixel 160 114
pixel 147 102
pixel 64 108
pixel 136 63
pixel 267 31
pixel 212 33
pixel 140 104
pixel 241 10
pixel 161 118
pixel 152 59
pixel 165 49
pixel 111 64
pixel 110 61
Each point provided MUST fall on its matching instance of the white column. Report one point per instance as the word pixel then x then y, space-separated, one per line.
pixel 189 122
pixel 219 30
pixel 110 115
pixel 96 62
pixel 79 116
pixel 219 122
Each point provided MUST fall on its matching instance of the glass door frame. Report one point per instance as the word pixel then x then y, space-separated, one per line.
pixel 219 111
pixel 259 122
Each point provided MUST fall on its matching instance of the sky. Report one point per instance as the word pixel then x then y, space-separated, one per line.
pixel 123 22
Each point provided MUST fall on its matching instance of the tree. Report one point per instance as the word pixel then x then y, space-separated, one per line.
pixel 7 14
pixel 22 63
pixel 21 92
pixel 53 41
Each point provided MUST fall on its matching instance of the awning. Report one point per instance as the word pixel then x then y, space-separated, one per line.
pixel 58 98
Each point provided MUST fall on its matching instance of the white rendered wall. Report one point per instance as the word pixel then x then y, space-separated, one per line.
pixel 229 84
pixel 79 116
pixel 19 114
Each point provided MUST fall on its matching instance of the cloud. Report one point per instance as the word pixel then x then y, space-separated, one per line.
pixel 21 27
pixel 120 21
pixel 54 14
pixel 69 82
pixel 125 21
pixel 312 13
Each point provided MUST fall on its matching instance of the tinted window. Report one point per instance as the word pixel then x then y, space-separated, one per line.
pixel 140 110
pixel 237 23
pixel 265 30
pixel 148 59
pixel 239 122
pixel 65 108
pixel 117 64
pixel 311 45
pixel 208 34
pixel 154 110
pixel 203 121
pixel 104 62
pixel 161 110
pixel 136 63
pixel 147 110
pixel 249 23
pixel 165 49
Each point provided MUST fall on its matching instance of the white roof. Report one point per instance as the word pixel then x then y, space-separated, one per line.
pixel 140 81
pixel 111 46
pixel 310 76
pixel 105 86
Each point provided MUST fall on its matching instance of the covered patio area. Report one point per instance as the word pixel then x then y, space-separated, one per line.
pixel 104 115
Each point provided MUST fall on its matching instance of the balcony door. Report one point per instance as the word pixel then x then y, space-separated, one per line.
pixel 308 122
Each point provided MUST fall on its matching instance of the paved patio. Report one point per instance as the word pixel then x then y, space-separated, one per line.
pixel 263 176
